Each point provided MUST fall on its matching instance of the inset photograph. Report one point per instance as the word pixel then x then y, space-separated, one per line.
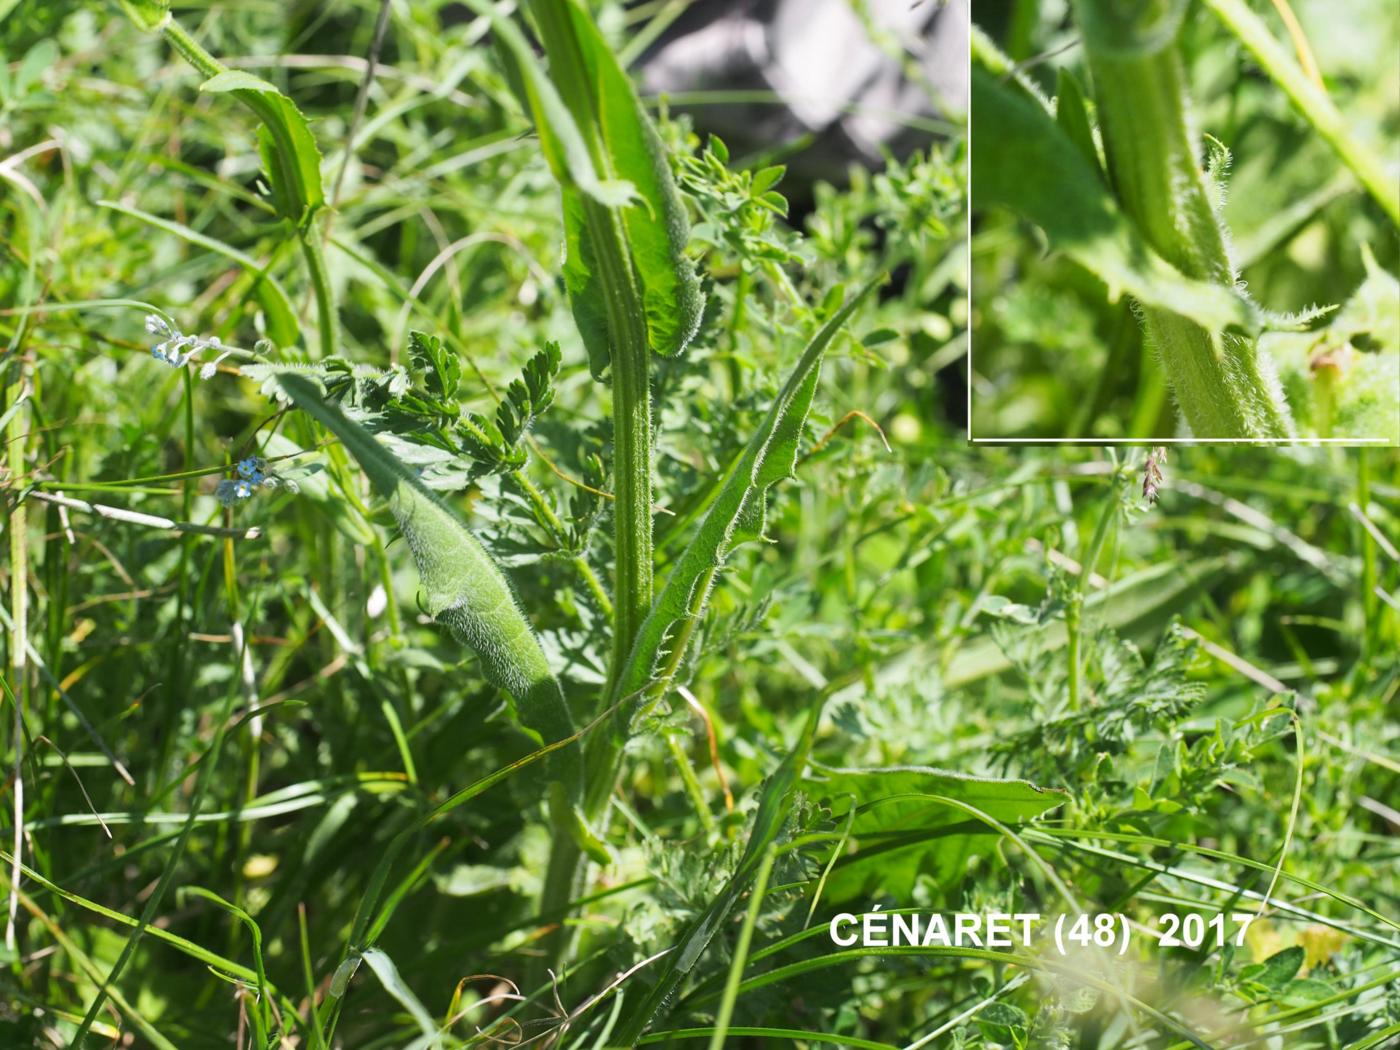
pixel 1184 221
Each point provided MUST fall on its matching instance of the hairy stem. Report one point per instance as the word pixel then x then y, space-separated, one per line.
pixel 632 451
pixel 1223 385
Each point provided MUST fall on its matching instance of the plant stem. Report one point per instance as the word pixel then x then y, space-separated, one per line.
pixel 578 561
pixel 1223 385
pixel 632 455
pixel 19 638
pixel 1369 602
pixel 1311 100
pixel 1074 609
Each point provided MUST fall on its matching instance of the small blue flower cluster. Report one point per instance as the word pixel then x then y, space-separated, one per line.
pixel 252 474
pixel 177 349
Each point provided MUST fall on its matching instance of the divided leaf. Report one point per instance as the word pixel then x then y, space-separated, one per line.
pixel 464 588
pixel 441 369
pixel 775 806
pixel 737 513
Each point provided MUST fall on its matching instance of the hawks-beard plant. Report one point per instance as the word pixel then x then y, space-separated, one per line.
pixel 633 293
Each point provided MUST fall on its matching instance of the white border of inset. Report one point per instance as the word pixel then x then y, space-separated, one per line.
pixel 1103 442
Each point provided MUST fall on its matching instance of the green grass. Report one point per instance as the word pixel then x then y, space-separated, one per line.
pixel 379 755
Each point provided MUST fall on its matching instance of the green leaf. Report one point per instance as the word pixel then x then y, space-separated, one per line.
pixel 289 152
pixel 1311 100
pixel 738 511
pixel 1280 968
pixel 624 144
pixel 1017 142
pixel 441 369
pixel 905 824
pixel 465 590
pixel 1304 992
pixel 563 143
pixel 766 178
pixel 1072 115
pixel 775 805
pixel 1004 1015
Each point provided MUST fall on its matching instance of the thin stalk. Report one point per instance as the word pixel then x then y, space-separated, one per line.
pixel 1075 608
pixel 551 520
pixel 741 951
pixel 1222 383
pixel 1369 601
pixel 19 637
pixel 691 782
pixel 1310 98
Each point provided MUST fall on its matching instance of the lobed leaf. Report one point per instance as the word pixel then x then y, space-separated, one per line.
pixel 464 588
pixel 775 805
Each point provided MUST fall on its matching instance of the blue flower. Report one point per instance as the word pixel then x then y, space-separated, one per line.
pixel 253 469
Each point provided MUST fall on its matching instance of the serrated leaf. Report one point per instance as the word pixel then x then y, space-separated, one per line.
pixel 775 806
pixel 737 513
pixel 657 227
pixel 463 587
pixel 592 125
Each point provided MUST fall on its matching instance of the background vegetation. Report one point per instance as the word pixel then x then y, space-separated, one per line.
pixel 222 734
